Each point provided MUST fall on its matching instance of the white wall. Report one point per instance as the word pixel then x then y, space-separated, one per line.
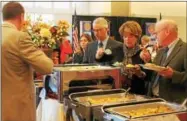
pixel 154 8
pixel 100 8
pixel 168 10
pixel 181 21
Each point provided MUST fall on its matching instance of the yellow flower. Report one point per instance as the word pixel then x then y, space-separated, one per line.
pixel 44 25
pixel 53 41
pixel 63 24
pixel 41 41
pixel 45 33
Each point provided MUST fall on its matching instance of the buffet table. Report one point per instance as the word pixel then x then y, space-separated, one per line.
pixel 65 74
pixel 118 105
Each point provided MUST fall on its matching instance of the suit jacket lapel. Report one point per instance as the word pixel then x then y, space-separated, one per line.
pixel 158 58
pixel 173 52
pixel 108 45
pixel 95 48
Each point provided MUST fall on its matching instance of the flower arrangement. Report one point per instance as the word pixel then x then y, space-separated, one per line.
pixel 45 35
pixel 60 30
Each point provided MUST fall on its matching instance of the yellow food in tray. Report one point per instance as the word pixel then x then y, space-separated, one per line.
pixel 104 100
pixel 147 111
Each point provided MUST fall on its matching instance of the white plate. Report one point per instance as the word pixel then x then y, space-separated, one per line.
pixel 117 64
pixel 154 68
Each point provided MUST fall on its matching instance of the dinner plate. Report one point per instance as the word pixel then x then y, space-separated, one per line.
pixel 153 67
pixel 117 64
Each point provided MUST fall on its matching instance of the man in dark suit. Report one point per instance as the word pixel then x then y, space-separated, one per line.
pixel 103 50
pixel 170 83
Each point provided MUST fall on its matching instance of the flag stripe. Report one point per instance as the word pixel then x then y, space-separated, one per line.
pixel 75 32
pixel 75 39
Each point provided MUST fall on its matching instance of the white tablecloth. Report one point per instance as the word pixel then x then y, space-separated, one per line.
pixel 49 110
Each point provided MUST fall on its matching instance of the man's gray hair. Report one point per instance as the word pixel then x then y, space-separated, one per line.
pixel 101 21
pixel 169 24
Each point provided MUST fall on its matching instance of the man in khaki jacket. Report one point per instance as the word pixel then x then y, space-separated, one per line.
pixel 19 58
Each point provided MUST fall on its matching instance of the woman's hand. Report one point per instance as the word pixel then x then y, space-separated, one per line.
pixel 135 71
pixel 138 72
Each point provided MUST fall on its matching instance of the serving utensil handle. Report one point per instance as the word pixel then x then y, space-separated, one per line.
pixel 184 102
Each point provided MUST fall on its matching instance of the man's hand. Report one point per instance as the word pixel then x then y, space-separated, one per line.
pixel 167 73
pixel 145 55
pixel 100 53
pixel 77 50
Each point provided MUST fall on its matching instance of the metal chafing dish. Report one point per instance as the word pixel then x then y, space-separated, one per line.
pixel 147 110
pixel 70 72
pixel 84 103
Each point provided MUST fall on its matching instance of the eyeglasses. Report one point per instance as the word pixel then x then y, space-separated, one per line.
pixel 97 30
pixel 156 33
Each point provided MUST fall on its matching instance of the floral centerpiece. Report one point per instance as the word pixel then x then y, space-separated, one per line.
pixel 45 35
pixel 60 31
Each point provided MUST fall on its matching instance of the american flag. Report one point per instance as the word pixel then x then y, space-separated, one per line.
pixel 75 32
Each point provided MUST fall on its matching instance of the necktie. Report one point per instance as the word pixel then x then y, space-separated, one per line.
pixel 100 45
pixel 164 56
pixel 158 77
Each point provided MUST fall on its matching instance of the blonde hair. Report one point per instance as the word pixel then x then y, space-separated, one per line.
pixel 146 38
pixel 101 21
pixel 134 28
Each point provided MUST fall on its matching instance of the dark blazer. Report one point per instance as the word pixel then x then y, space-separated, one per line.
pixel 115 46
pixel 78 58
pixel 174 89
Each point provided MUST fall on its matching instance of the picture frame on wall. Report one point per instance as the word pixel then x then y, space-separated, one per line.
pixel 85 27
pixel 150 31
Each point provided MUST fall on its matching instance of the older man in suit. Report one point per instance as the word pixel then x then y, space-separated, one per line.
pixel 19 58
pixel 103 50
pixel 170 83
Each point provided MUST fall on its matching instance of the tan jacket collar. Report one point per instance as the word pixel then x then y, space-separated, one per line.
pixel 8 24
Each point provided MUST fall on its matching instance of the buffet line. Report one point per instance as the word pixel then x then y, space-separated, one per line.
pixel 111 104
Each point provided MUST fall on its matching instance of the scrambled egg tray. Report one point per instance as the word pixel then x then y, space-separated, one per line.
pixel 147 111
pixel 107 100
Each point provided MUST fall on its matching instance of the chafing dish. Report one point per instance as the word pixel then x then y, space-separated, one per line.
pixel 147 110
pixel 84 103
pixel 67 73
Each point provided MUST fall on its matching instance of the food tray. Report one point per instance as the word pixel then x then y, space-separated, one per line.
pixel 148 109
